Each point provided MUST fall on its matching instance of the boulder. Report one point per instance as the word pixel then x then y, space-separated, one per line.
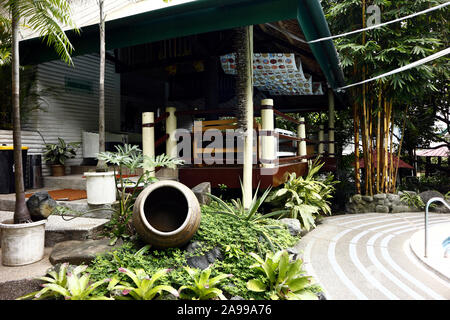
pixel 201 191
pixel 40 205
pixel 80 252
pixel 203 260
pixel 382 209
pixel 439 206
pixel 367 198
pixel 379 196
pixel 393 197
pixel 293 226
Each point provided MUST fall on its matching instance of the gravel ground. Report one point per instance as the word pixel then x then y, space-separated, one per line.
pixel 11 290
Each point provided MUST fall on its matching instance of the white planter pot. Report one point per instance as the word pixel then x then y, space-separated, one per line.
pixel 100 187
pixel 22 243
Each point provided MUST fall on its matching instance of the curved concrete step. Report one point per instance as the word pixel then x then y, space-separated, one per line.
pixel 368 256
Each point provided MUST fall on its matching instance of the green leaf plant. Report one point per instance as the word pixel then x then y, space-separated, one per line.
pixel 304 198
pixel 204 287
pixel 282 279
pixel 143 286
pixel 69 285
pixel 58 153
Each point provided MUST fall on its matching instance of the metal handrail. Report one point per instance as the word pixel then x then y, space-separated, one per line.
pixel 426 219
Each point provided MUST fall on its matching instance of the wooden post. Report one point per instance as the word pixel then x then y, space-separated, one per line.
pixel 148 138
pixel 171 127
pixel 321 139
pixel 331 123
pixel 301 134
pixel 268 141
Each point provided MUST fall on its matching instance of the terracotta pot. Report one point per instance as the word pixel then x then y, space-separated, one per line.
pixel 58 170
pixel 166 214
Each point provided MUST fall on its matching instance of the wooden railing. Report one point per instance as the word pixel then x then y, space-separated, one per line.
pixel 266 134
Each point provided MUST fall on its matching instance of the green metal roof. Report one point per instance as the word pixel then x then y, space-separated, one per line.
pixel 199 17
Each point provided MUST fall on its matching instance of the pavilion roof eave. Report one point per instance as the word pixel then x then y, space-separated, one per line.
pixel 209 15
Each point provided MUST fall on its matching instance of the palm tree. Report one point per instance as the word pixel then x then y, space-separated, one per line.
pixel 101 165
pixel 46 18
pixel 243 46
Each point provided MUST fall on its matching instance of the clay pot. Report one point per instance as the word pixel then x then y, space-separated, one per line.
pixel 58 170
pixel 166 214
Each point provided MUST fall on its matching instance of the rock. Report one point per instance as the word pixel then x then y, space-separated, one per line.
pixel 427 195
pixel 321 296
pixel 203 260
pixel 80 252
pixel 357 198
pixel 293 226
pixel 379 196
pixel 237 298
pixel 40 205
pixel 201 191
pixel 439 206
pixel 367 198
pixel 382 209
pixel 393 197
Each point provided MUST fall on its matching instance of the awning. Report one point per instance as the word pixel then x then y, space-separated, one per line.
pixel 442 151
pixel 196 17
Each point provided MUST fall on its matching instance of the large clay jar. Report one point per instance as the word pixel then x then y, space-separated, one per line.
pixel 166 214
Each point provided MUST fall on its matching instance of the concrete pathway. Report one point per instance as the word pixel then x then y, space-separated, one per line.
pixel 369 257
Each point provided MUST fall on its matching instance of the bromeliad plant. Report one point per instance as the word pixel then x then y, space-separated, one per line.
pixel 204 287
pixel 283 279
pixel 70 285
pixel 305 198
pixel 130 157
pixel 238 211
pixel 143 287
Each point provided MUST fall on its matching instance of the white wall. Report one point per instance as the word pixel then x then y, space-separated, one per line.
pixel 67 113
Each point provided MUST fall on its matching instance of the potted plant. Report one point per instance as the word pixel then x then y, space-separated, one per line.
pixel 56 155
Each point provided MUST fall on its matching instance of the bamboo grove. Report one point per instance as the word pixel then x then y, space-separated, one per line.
pixel 380 108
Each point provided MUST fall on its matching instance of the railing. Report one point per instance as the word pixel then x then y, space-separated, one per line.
pixel 426 220
pixel 267 133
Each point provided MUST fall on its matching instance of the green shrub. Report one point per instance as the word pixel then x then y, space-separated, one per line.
pixel 215 230
pixel 305 198
pixel 282 279
pixel 204 287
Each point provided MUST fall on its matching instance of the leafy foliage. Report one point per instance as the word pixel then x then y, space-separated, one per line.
pixel 304 198
pixel 143 287
pixel 131 158
pixel 58 153
pixel 204 287
pixel 70 285
pixel 282 279
pixel 238 211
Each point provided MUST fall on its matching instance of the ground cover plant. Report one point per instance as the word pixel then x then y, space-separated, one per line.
pixel 235 238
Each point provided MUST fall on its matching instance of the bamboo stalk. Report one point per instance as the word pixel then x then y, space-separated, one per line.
pixel 391 148
pixel 400 148
pixel 378 140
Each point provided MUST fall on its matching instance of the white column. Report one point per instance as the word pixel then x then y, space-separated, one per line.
pixel 267 141
pixel 301 134
pixel 148 138
pixel 321 139
pixel 331 123
pixel 171 127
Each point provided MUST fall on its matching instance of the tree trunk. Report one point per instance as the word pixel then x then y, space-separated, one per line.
pixel 21 213
pixel 101 164
pixel 244 92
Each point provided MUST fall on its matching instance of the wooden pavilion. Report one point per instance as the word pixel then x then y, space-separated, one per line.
pixel 178 53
